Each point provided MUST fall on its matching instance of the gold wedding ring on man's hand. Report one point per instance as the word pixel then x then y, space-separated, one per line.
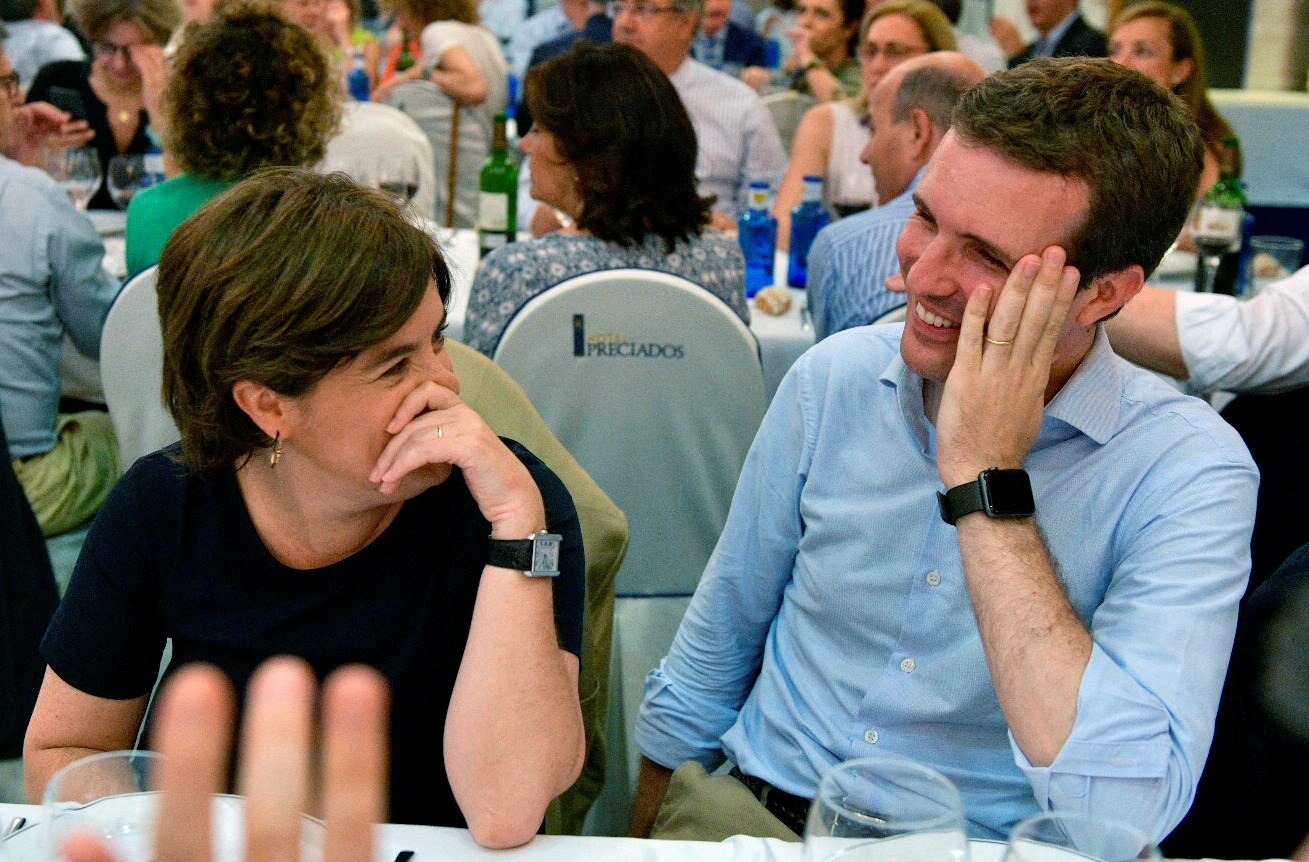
pixel 991 340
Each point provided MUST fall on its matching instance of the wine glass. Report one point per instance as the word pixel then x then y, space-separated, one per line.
pixel 78 174
pixel 126 176
pixel 398 175
pixel 885 809
pixel 1215 227
pixel 109 795
pixel 1071 836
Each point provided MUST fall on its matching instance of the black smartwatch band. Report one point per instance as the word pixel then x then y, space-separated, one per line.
pixel 998 493
pixel 961 500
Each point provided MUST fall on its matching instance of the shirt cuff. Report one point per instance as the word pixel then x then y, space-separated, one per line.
pixel 673 728
pixel 1212 343
pixel 1121 732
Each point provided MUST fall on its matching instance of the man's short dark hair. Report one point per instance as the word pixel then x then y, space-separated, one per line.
pixel 933 89
pixel 1133 143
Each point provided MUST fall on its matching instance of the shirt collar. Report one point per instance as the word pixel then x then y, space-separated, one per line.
pixel 1090 401
pixel 1051 39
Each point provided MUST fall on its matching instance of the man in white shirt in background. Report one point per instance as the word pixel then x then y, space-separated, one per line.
pixel 738 143
pixel 1214 342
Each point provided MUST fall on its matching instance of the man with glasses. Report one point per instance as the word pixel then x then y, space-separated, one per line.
pixel 36 37
pixel 738 143
pixel 978 540
pixel 908 114
pixel 51 283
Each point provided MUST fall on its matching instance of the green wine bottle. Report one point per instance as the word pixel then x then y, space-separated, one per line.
pixel 405 61
pixel 497 205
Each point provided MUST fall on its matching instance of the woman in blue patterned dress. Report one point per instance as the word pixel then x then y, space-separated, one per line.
pixel 613 149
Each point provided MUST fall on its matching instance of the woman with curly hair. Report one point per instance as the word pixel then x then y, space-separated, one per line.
pixel 248 90
pixel 625 178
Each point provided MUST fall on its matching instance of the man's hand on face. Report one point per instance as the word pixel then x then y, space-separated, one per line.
pixel 994 398
pixel 40 128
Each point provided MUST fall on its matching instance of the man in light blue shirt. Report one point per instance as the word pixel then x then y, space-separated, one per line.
pixel 36 38
pixel 51 282
pixel 908 113
pixel 1063 650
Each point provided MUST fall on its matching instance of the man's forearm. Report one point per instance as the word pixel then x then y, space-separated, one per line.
pixel 1145 332
pixel 1036 647
pixel 651 786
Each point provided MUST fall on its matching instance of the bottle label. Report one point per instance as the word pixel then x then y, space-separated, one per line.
pixel 1218 223
pixel 759 199
pixel 493 211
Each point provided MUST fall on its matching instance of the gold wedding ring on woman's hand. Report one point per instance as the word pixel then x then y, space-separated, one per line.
pixel 991 340
pixel 440 430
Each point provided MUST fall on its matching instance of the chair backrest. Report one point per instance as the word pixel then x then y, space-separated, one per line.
pixel 655 386
pixel 373 133
pixel 132 368
pixel 787 108
pixel 434 113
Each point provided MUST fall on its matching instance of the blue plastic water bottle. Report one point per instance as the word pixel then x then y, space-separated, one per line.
pixel 757 233
pixel 360 88
pixel 807 220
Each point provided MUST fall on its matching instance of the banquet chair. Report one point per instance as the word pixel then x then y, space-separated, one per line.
pixel 490 391
pixel 655 386
pixel 373 134
pixel 131 370
pixel 787 108
pixel 460 143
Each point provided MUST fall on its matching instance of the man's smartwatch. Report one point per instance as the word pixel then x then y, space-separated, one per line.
pixel 998 493
pixel 537 556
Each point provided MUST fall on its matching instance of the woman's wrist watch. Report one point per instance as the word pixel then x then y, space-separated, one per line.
pixel 537 556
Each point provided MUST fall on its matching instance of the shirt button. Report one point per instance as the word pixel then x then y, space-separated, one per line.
pixel 908 665
pixel 934 578
pixel 871 737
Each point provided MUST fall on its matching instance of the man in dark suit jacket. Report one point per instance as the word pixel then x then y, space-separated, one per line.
pixel 723 43
pixel 1064 33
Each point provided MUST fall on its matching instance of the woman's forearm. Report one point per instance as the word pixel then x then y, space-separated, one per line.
pixel 513 735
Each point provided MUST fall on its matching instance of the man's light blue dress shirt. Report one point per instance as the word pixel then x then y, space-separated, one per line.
pixel 51 282
pixel 850 262
pixel 834 620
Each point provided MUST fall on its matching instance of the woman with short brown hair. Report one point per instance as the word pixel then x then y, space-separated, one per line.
pixel 334 499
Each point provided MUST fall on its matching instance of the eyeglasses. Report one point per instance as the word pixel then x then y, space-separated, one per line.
pixel 105 50
pixel 12 84
pixel 893 51
pixel 640 10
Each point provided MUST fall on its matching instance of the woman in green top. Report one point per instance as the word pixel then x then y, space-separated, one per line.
pixel 822 61
pixel 248 90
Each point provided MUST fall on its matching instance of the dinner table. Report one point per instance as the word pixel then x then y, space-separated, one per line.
pixel 448 844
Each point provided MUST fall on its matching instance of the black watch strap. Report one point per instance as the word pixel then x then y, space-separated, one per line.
pixel 960 500
pixel 537 556
pixel 998 493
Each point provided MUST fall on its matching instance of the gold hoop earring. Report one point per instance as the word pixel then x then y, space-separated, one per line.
pixel 277 451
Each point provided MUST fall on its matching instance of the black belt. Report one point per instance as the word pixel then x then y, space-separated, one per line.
pixel 786 807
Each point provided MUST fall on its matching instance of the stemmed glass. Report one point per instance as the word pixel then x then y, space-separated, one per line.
pixel 1215 227
pixel 1071 836
pixel 398 175
pixel 78 174
pixel 127 175
pixel 110 796
pixel 885 809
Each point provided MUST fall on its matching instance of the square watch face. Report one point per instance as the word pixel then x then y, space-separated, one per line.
pixel 1008 493
pixel 545 553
